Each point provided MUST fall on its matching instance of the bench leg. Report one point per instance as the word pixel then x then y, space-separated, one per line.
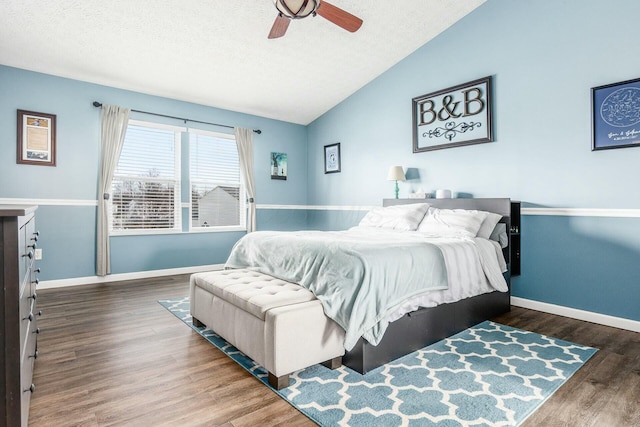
pixel 334 363
pixel 197 323
pixel 282 382
pixel 278 382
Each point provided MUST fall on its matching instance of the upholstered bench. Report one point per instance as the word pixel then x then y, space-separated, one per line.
pixel 279 324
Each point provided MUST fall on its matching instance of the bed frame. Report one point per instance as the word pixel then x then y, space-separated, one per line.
pixel 425 326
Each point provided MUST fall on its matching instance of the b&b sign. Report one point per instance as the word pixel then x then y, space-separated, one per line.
pixel 459 115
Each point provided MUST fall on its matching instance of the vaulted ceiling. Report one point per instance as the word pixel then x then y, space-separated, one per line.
pixel 216 52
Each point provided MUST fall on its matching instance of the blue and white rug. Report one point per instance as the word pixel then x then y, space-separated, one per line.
pixel 488 375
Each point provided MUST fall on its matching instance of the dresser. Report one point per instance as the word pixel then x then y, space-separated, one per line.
pixel 18 314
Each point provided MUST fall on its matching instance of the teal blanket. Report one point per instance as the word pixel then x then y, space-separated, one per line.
pixel 358 277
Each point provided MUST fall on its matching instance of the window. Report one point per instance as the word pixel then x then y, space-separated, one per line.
pixel 146 183
pixel 217 194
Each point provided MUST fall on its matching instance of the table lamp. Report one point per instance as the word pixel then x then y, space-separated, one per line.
pixel 396 173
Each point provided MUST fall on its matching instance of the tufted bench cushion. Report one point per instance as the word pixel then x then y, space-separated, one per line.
pixel 253 292
pixel 280 325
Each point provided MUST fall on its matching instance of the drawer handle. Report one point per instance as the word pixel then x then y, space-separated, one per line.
pixel 31 317
pixel 31 389
pixel 37 331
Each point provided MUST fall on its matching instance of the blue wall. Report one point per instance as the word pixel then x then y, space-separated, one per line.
pixel 544 57
pixel 68 231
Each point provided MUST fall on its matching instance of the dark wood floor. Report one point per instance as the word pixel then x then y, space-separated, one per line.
pixel 110 355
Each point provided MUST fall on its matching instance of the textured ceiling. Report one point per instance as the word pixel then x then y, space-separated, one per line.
pixel 216 52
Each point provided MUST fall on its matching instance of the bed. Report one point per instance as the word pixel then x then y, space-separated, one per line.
pixel 424 315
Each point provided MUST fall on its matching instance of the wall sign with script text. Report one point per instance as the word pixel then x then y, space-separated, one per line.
pixel 459 115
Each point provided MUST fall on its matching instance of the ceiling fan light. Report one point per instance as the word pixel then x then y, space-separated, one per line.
pixel 296 9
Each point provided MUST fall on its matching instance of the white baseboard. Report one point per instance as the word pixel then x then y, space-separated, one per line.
pixel 602 319
pixel 574 313
pixel 90 280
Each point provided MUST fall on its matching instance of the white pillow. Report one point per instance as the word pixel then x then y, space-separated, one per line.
pixel 398 217
pixel 452 222
pixel 488 225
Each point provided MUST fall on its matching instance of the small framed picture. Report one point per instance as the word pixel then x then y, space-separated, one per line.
pixel 279 166
pixel 616 115
pixel 36 138
pixel 332 158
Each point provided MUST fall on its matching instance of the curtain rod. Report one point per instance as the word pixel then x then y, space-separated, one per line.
pixel 258 131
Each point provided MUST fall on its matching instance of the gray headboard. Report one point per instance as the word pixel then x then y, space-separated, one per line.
pixel 500 206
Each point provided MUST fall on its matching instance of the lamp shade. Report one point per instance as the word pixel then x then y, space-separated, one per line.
pixel 396 173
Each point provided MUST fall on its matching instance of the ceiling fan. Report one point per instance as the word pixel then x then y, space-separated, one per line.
pixel 298 9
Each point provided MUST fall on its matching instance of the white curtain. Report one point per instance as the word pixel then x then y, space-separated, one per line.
pixel 114 128
pixel 244 140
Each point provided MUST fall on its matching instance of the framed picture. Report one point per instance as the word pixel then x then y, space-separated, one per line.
pixel 332 158
pixel 36 138
pixel 615 110
pixel 279 166
pixel 452 117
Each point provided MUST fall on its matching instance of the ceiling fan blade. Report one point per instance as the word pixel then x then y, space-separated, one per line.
pixel 339 17
pixel 279 27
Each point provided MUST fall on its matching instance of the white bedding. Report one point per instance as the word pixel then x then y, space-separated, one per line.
pixel 394 272
pixel 474 267
pixel 464 282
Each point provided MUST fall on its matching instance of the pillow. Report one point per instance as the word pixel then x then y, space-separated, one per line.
pixel 452 222
pixel 500 235
pixel 399 217
pixel 488 225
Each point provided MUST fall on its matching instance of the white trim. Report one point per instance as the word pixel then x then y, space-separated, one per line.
pixel 615 213
pixel 143 232
pixel 90 280
pixel 216 229
pixel 591 212
pixel 156 125
pixel 49 202
pixel 589 316
pixel 316 207
pixel 212 133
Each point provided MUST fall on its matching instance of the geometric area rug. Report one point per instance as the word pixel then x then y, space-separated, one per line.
pixel 488 375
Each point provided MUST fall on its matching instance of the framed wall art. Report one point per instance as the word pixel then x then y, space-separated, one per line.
pixel 36 138
pixel 332 158
pixel 279 166
pixel 452 117
pixel 615 115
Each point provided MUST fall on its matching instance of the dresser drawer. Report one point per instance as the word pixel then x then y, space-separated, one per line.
pixel 25 260
pixel 28 356
pixel 27 318
pixel 28 241
pixel 26 373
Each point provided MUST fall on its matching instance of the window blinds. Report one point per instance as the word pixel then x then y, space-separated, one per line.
pixel 217 197
pixel 146 182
